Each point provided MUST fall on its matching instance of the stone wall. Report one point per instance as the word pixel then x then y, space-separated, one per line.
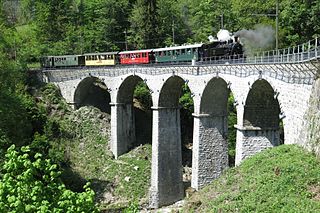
pixel 312 121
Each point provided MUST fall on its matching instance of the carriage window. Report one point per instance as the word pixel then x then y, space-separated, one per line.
pixel 183 51
pixel 144 55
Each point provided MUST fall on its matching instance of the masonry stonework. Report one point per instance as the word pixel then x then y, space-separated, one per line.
pixel 287 95
pixel 210 153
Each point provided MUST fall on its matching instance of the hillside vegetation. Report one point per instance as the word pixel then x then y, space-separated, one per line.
pixel 80 143
pixel 282 179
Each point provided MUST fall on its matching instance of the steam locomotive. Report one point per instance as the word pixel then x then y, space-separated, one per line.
pixel 177 54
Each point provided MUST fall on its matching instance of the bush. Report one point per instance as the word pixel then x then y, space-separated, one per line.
pixel 142 94
pixel 33 185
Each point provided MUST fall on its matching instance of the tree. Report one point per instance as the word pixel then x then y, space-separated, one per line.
pixel 32 184
pixel 299 21
pixel 207 17
pixel 171 26
pixel 103 25
pixel 143 25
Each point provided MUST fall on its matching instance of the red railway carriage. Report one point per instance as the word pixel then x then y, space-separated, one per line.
pixel 136 57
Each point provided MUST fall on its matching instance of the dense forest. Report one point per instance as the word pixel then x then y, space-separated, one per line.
pixel 30 158
pixel 81 26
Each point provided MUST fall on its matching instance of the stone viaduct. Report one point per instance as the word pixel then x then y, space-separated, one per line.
pixel 264 94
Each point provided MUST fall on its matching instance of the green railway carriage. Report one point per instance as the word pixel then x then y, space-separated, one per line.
pixel 178 53
pixel 68 60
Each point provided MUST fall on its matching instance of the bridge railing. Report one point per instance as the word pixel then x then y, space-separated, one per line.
pixel 300 53
pixel 304 52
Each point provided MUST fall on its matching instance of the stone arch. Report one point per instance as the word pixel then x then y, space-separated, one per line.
pixel 126 89
pixel 215 97
pixel 170 92
pixel 124 114
pixel 260 127
pixel 210 154
pixel 261 108
pixel 92 91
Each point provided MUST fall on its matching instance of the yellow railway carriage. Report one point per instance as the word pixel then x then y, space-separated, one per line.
pixel 101 59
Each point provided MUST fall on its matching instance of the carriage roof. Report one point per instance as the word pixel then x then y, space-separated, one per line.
pixel 178 47
pixel 102 53
pixel 136 51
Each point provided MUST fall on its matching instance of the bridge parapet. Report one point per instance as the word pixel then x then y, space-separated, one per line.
pixel 301 73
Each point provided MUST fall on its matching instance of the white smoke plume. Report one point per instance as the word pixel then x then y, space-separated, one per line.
pixel 223 35
pixel 261 38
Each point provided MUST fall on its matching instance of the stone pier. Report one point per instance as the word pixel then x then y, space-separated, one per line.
pixel 210 149
pixel 122 128
pixel 251 140
pixel 166 171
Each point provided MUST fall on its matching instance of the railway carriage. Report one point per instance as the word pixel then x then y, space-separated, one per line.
pixel 178 53
pixel 63 61
pixel 136 57
pixel 101 59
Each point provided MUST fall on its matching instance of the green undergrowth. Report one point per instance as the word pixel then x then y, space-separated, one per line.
pixel 80 143
pixel 282 179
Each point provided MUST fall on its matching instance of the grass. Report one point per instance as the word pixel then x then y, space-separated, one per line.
pixel 282 179
pixel 80 140
pixel 123 181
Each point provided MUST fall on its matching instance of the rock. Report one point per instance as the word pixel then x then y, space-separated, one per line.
pixel 189 192
pixel 127 179
pixel 136 168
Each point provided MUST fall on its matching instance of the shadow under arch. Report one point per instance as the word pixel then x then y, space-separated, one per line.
pixel 135 96
pixel 170 92
pixel 261 122
pixel 262 107
pixel 92 91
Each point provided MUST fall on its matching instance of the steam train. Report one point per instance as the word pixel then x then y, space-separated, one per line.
pixel 176 54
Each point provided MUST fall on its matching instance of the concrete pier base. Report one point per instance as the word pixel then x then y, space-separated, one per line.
pixel 122 128
pixel 166 171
